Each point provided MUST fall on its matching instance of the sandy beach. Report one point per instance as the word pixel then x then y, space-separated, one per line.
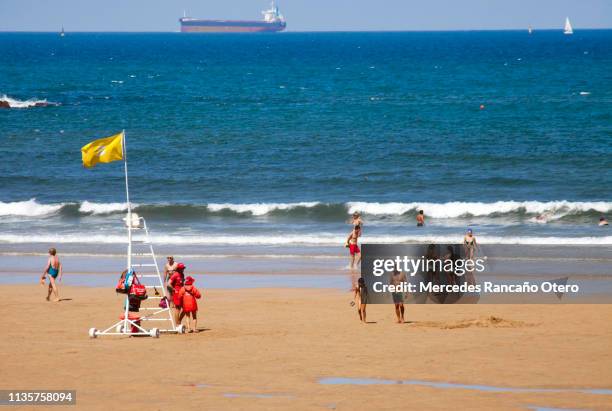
pixel 271 348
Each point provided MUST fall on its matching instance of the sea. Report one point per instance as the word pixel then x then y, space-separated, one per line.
pixel 266 143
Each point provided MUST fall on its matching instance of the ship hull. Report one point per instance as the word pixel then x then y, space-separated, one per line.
pixel 229 26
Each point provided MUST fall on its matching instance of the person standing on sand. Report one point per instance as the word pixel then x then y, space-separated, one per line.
pixel 361 295
pixel 169 268
pixel 450 257
pixel 175 283
pixel 352 243
pixel 189 295
pixel 397 279
pixel 470 245
pixel 54 269
pixel 420 218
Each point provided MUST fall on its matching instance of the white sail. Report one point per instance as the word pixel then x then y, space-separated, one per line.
pixel 568 27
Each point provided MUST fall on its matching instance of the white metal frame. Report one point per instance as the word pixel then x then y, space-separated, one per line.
pixel 124 326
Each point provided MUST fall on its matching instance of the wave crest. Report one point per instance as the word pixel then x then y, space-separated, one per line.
pixel 317 240
pixel 8 102
pixel 550 210
pixel 477 209
pixel 29 208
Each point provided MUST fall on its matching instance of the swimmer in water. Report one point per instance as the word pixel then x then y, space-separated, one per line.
pixel 602 221
pixel 420 219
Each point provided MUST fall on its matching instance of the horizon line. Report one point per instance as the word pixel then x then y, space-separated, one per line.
pixel 314 31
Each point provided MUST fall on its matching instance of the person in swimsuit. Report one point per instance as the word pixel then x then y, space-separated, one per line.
pixel 353 246
pixel 361 294
pixel 420 218
pixel 470 246
pixel 431 256
pixel 356 220
pixel 397 278
pixel 54 269
pixel 170 267
pixel 175 283
pixel 450 256
pixel 602 221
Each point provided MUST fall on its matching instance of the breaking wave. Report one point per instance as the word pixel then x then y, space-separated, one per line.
pixel 9 102
pixel 320 239
pixel 548 211
pixel 29 208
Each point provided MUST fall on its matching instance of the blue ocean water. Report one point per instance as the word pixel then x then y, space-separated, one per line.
pixel 275 139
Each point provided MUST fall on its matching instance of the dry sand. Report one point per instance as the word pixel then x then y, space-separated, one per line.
pixel 267 349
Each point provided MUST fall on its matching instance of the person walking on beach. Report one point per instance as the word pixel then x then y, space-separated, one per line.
pixel 361 295
pixel 420 218
pixel 470 245
pixel 54 269
pixel 352 243
pixel 189 296
pixel 397 279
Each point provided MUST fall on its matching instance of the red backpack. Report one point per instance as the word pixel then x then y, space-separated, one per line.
pixel 138 290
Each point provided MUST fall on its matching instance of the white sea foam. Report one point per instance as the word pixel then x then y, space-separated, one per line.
pixel 259 208
pixel 458 209
pixel 14 103
pixel 321 239
pixel 103 208
pixel 552 210
pixel 29 208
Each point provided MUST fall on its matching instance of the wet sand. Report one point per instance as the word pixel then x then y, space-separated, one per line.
pixel 269 348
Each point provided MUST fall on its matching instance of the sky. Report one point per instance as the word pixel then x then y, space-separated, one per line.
pixel 306 15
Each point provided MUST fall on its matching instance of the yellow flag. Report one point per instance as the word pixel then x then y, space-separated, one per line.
pixel 103 150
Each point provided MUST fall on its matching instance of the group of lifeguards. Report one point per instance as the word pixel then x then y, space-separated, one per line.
pixel 183 294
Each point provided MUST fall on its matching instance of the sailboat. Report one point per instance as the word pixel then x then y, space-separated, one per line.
pixel 62 34
pixel 529 30
pixel 568 27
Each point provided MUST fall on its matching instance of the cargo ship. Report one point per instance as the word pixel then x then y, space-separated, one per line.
pixel 272 21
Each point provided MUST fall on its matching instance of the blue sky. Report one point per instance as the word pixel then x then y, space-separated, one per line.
pixel 304 15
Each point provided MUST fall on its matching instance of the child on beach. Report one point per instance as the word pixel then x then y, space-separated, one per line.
pixel 175 283
pixel 189 296
pixel 54 269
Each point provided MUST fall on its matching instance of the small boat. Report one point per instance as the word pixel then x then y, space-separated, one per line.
pixel 62 33
pixel 529 30
pixel 568 27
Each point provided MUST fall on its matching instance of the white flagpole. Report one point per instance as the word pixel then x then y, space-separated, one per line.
pixel 129 229
pixel 129 205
